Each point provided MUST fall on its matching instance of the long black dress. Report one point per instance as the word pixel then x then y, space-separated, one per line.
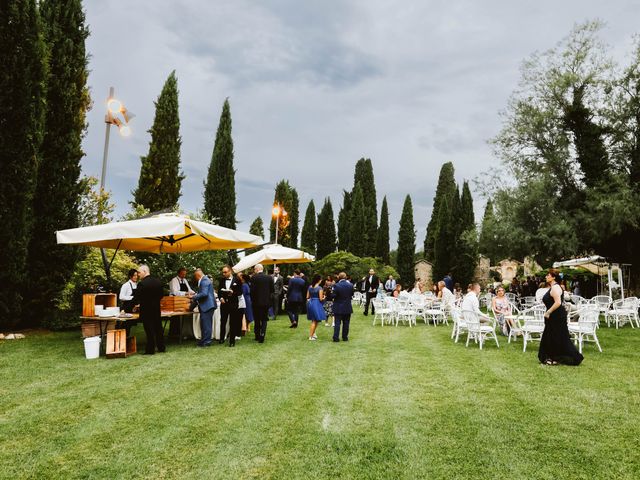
pixel 556 344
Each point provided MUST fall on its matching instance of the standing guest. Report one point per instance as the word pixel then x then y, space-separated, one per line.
pixel 206 301
pixel 390 284
pixel 342 310
pixel 179 286
pixel 127 292
pixel 278 285
pixel 556 345
pixel 470 302
pixel 262 291
pixel 315 310
pixel 229 292
pixel 371 283
pixel 328 299
pixel 448 281
pixel 303 305
pixel 246 296
pixel 148 294
pixel 295 297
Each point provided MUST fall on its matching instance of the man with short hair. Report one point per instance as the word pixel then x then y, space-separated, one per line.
pixel 229 292
pixel 262 292
pixel 148 294
pixel 179 286
pixel 390 284
pixel 342 309
pixel 448 281
pixel 371 284
pixel 206 300
pixel 470 302
pixel 295 297
pixel 278 288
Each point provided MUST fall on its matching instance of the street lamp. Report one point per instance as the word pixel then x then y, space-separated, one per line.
pixel 278 211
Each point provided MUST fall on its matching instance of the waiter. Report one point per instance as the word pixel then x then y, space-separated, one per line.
pixel 229 292
pixel 178 286
pixel 127 292
pixel 149 293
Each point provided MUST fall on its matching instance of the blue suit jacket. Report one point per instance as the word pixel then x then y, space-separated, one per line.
pixel 205 297
pixel 343 292
pixel 295 291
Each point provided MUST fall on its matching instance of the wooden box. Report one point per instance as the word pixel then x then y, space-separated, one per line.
pixel 116 343
pixel 131 346
pixel 175 304
pixel 91 328
pixel 90 300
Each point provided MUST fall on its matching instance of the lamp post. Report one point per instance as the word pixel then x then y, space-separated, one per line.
pixel 277 212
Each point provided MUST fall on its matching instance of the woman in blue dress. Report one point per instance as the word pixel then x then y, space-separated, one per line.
pixel 246 295
pixel 315 310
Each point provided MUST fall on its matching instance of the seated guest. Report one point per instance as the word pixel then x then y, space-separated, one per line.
pixel 128 290
pixel 417 288
pixel 542 289
pixel 178 286
pixel 397 291
pixel 501 307
pixel 447 296
pixel 434 289
pixel 457 291
pixel 390 284
pixel 471 303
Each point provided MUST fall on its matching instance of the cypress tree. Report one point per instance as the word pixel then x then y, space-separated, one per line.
pixel 343 221
pixel 220 189
pixel 382 241
pixel 467 218
pixel 294 217
pixel 22 96
pixel 256 228
pixel 287 197
pixel 487 243
pixel 357 224
pixel 466 252
pixel 446 187
pixel 363 176
pixel 444 241
pixel 308 237
pixel 326 237
pixel 160 176
pixel 406 244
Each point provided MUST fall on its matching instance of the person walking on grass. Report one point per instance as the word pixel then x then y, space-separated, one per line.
pixel 315 310
pixel 262 291
pixel 342 309
pixel 148 295
pixel 295 297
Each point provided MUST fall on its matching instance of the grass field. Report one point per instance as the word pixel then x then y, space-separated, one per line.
pixel 393 403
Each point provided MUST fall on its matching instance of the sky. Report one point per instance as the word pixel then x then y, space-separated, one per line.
pixel 316 85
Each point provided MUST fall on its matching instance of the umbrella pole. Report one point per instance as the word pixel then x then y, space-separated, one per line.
pixel 106 264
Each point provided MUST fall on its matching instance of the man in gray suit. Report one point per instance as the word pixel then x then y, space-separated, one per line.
pixel 206 300
pixel 278 288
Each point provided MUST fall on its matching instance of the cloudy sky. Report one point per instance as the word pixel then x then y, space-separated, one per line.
pixel 316 85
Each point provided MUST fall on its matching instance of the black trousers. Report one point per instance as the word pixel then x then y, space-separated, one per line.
pixel 235 325
pixel 154 332
pixel 370 295
pixel 260 319
pixel 225 313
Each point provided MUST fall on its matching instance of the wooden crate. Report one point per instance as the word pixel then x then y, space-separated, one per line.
pixel 175 304
pixel 90 300
pixel 131 346
pixel 91 328
pixel 116 343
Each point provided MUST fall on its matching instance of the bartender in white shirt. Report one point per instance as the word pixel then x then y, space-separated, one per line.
pixel 127 292
pixel 178 286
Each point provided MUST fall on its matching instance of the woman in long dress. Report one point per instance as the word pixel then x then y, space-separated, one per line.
pixel 556 345
pixel 315 310
pixel 246 295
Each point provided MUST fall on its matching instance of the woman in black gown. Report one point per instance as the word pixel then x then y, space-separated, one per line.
pixel 556 345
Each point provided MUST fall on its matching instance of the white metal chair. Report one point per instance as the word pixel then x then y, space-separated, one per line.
pixel 382 312
pixel 621 312
pixel 604 304
pixel 532 321
pixel 436 313
pixel 404 312
pixel 480 332
pixel 585 328
pixel 459 325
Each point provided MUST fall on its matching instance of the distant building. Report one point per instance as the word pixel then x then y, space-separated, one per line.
pixel 423 272
pixel 482 273
pixel 508 269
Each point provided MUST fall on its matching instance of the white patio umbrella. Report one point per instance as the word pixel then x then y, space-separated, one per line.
pixel 271 255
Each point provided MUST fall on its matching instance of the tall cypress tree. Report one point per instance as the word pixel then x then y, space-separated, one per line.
pixel 220 189
pixel 363 176
pixel 487 243
pixel 357 224
pixel 22 96
pixel 160 177
pixel 446 187
pixel 294 217
pixel 287 197
pixel 467 218
pixel 308 237
pixel 326 238
pixel 445 235
pixel 466 252
pixel 382 241
pixel 57 196
pixel 406 244
pixel 344 218
pixel 256 228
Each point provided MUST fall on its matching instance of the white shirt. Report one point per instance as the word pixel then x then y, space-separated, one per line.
pixel 126 291
pixel 174 286
pixel 471 302
pixel 540 293
pixel 448 298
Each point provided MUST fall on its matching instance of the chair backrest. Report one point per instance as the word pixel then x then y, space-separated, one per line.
pixel 589 319
pixel 618 304
pixel 603 301
pixel 534 315
pixel 528 301
pixel 631 302
pixel 471 320
pixel 511 296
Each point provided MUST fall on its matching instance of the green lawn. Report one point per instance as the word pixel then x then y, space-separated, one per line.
pixel 393 403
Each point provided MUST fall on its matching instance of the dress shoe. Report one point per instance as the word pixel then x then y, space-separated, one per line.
pixel 345 339
pixel 336 340
pixel 261 340
pixel 232 344
pixel 149 353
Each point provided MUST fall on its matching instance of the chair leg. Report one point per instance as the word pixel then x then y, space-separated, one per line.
pixel 524 342
pixel 496 339
pixel 595 338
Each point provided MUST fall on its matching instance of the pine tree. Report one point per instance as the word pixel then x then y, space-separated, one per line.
pixel 343 222
pixel 220 189
pixel 357 224
pixel 256 228
pixel 406 244
pixel 308 237
pixel 326 237
pixel 363 176
pixel 382 240
pixel 287 197
pixel 445 188
pixel 160 177
pixel 22 95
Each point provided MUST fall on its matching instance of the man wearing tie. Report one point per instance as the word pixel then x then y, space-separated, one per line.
pixel 342 309
pixel 390 284
pixel 295 297
pixel 262 292
pixel 229 291
pixel 178 286
pixel 371 284
pixel 206 300
pixel 278 285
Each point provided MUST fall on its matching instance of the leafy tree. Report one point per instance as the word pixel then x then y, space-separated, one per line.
pixel 308 237
pixel 287 197
pixel 256 228
pixel 22 94
pixel 357 224
pixel 220 188
pixel 326 231
pixel 382 241
pixel 445 189
pixel 406 244
pixel 363 176
pixel 489 243
pixel 357 267
pixel 160 177
pixel 344 217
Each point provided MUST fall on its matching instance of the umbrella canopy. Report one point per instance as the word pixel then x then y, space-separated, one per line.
pixel 165 233
pixel 272 254
pixel 579 262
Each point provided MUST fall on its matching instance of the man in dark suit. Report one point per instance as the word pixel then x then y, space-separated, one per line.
pixel 295 297
pixel 206 300
pixel 278 285
pixel 148 295
pixel 262 293
pixel 342 309
pixel 229 291
pixel 371 283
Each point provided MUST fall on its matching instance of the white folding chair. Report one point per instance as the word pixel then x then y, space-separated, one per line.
pixel 604 304
pixel 532 324
pixel 584 330
pixel 382 311
pixel 435 313
pixel 459 325
pixel 480 332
